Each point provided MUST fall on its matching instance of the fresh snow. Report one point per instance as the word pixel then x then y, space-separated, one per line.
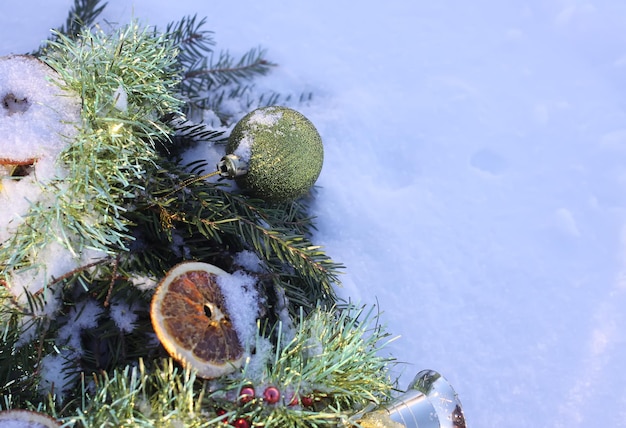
pixel 36 120
pixel 57 368
pixel 34 112
pixel 123 315
pixel 474 182
pixel 242 304
pixel 249 261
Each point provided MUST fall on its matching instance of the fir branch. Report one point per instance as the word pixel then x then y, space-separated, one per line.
pixel 293 250
pixel 206 81
pixel 20 358
pixel 246 95
pixel 82 14
pixel 193 41
pixel 186 133
pixel 276 234
pixel 225 71
pixel 209 80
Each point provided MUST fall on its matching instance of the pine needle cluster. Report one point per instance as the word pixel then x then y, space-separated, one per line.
pixel 332 360
pixel 126 82
pixel 212 80
pixel 127 195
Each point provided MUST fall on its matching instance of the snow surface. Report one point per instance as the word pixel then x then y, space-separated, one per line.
pixel 474 182
pixel 242 304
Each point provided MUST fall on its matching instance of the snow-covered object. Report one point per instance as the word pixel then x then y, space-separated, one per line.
pixel 37 120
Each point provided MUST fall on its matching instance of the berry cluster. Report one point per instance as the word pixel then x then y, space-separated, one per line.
pixel 271 396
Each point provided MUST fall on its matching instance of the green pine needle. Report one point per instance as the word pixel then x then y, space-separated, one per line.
pixel 107 161
pixel 333 358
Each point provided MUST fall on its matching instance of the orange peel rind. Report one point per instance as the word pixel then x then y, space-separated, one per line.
pixel 190 319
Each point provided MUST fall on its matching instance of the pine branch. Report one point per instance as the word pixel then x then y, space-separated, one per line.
pixel 327 369
pixel 339 350
pixel 226 71
pixel 224 219
pixel 193 41
pixel 82 14
pixel 144 395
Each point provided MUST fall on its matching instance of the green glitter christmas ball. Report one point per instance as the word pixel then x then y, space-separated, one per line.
pixel 280 153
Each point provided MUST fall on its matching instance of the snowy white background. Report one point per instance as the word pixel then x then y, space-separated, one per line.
pixel 474 183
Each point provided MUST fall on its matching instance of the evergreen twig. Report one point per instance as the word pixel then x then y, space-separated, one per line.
pixel 225 71
pixel 82 14
pixel 278 234
pixel 333 360
pixel 209 78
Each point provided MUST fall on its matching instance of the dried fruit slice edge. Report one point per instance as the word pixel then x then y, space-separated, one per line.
pixel 162 302
pixel 28 418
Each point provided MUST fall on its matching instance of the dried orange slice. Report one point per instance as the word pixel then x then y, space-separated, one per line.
pixel 191 321
pixel 19 418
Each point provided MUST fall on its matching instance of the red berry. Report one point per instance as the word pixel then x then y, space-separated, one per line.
pixel 241 423
pixel 294 400
pixel 307 401
pixel 271 395
pixel 221 412
pixel 246 394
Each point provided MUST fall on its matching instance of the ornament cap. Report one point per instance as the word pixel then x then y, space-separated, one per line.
pixel 231 166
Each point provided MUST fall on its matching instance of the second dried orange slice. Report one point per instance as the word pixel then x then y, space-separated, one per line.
pixel 190 319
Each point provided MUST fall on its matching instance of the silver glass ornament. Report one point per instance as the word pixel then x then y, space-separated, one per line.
pixel 429 402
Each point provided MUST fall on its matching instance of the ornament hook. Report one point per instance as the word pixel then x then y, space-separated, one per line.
pixel 231 166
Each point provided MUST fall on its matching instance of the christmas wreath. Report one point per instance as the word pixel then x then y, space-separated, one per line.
pixel 156 260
